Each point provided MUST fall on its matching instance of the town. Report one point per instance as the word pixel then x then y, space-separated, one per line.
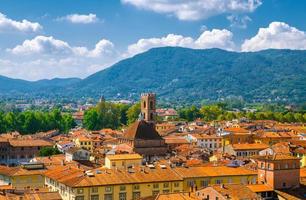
pixel 156 157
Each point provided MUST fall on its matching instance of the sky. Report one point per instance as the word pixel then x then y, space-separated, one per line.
pixel 76 38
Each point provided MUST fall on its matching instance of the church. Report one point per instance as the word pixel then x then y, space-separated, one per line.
pixel 142 135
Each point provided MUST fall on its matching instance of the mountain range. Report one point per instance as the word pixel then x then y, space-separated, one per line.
pixel 184 75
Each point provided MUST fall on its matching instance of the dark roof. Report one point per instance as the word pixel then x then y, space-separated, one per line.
pixel 142 130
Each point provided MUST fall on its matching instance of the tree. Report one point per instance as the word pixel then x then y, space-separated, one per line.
pixel 91 119
pixel 133 113
pixel 49 151
pixel 211 112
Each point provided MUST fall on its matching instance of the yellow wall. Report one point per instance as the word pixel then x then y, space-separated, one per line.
pixel 213 180
pixel 145 189
pixel 122 163
pixel 32 181
pixel 83 144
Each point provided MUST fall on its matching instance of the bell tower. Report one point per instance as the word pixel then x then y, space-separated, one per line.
pixel 148 107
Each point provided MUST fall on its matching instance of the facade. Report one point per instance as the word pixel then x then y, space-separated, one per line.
pixel 144 139
pixel 199 177
pixel 14 151
pixel 75 153
pixel 21 178
pixel 279 171
pixel 211 142
pixel 244 150
pixel 148 107
pixel 140 182
pixel 74 184
pixel 122 161
pixel 227 191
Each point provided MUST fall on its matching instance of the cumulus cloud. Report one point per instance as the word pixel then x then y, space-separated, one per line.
pixel 196 9
pixel 80 19
pixel 7 24
pixel 239 21
pixel 48 57
pixel 208 39
pixel 51 46
pixel 278 35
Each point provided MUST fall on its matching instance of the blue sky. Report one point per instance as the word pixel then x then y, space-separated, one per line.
pixel 75 38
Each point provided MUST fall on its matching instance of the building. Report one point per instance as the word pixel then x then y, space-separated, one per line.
pixel 133 183
pixel 78 154
pixel 199 177
pixel 142 135
pixel 236 135
pixel 211 142
pixel 148 107
pixel 122 161
pixel 29 176
pixel 279 171
pixel 16 150
pixel 244 150
pixel 144 139
pixel 227 191
pixel 84 143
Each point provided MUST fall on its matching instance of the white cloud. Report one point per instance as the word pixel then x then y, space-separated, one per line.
pixel 7 24
pixel 42 45
pixel 278 35
pixel 239 21
pixel 50 46
pixel 47 57
pixel 80 19
pixel 195 9
pixel 208 39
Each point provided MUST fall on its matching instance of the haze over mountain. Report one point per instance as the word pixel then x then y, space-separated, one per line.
pixel 187 75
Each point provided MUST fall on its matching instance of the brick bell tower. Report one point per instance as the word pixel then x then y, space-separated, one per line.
pixel 279 171
pixel 148 107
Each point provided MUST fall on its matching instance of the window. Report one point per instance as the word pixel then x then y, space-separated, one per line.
pixel 218 181
pixel 122 187
pixel 136 195
pixel 190 183
pixel 136 187
pixel 122 196
pixel 176 184
pixel 262 165
pixel 108 197
pixel 293 166
pixel 166 191
pixel 108 189
pixel 80 191
pixel 244 180
pixel 114 164
pixel 207 197
pixel 94 190
pixel 155 193
pixel 166 185
pixel 94 197
pixel 286 166
pixel 155 185
pixel 269 166
pixel 230 180
pixel 204 183
pixel 217 198
pixel 79 198
pixel 284 184
pixel 144 104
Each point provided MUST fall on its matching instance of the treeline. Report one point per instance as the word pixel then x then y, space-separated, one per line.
pixel 29 122
pixel 110 115
pixel 218 112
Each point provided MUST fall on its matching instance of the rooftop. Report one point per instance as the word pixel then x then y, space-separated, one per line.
pixel 124 156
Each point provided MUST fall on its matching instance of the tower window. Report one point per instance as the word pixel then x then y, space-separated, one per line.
pixel 144 104
pixel 151 104
pixel 151 116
